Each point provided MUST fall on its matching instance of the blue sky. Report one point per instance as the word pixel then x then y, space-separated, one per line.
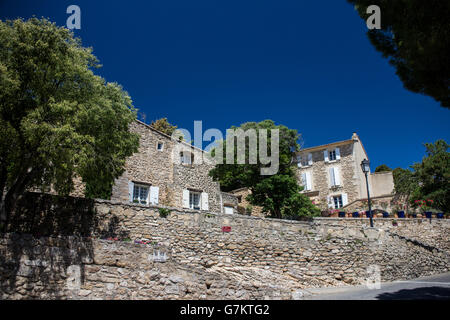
pixel 305 64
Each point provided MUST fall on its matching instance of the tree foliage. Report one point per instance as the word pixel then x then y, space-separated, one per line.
pixel 428 180
pixel 433 175
pixel 163 126
pixel 415 37
pixel 277 194
pixel 58 120
pixel 382 168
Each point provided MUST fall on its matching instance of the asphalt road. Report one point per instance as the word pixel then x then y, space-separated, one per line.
pixel 427 288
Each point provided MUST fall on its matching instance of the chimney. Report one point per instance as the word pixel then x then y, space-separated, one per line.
pixel 355 136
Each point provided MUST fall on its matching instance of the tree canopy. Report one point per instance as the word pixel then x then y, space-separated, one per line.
pixel 415 37
pixel 433 175
pixel 277 194
pixel 428 180
pixel 382 168
pixel 58 120
pixel 163 126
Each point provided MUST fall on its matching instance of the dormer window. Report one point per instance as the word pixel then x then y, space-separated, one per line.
pixel 332 155
pixel 186 157
pixel 304 160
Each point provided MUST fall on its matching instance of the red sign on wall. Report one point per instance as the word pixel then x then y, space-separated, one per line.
pixel 226 229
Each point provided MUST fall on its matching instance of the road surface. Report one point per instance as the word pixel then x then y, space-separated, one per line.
pixel 427 288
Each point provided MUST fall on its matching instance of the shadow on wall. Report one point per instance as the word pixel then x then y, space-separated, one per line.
pixel 50 215
pixel 24 260
pixel 425 293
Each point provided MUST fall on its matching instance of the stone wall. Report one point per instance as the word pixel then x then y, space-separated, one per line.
pixel 189 255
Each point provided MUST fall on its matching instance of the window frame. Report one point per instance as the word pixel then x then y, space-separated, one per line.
pixel 140 187
pixel 162 146
pixel 332 153
pixel 338 201
pixel 192 195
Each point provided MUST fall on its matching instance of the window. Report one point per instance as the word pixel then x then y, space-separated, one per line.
pixel 160 146
pixel 337 202
pixel 194 200
pixel 335 179
pixel 140 194
pixel 332 155
pixel 305 160
pixel 306 181
pixel 186 157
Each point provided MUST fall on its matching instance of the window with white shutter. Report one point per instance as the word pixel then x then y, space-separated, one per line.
pixel 344 199
pixel 140 194
pixel 338 153
pixel 205 201
pixel 154 195
pixel 332 178
pixel 308 181
pixel 186 198
pixel 332 155
pixel 337 177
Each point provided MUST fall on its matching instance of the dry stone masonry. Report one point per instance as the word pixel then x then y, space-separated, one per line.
pixel 189 254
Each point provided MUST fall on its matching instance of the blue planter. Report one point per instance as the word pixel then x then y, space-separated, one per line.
pixel 440 215
pixel 341 214
pixel 385 214
pixel 355 214
pixel 401 214
pixel 428 215
pixel 367 214
pixel 414 215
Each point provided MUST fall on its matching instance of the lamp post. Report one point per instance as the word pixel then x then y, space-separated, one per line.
pixel 366 168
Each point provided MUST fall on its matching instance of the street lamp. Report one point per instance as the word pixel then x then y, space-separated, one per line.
pixel 365 166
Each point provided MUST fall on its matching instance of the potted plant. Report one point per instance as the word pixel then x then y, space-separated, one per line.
pixel 394 223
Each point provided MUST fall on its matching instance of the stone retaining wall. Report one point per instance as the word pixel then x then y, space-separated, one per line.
pixel 189 255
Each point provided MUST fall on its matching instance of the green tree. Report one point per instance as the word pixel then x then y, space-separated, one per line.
pixel 277 194
pixel 405 185
pixel 163 126
pixel 58 120
pixel 415 37
pixel 382 168
pixel 433 175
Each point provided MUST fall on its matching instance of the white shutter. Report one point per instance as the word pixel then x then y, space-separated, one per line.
pixel 299 159
pixel 344 199
pixel 332 177
pixel 308 181
pixel 154 195
pixel 338 153
pixel 205 203
pixel 304 180
pixel 187 157
pixel 228 210
pixel 325 155
pixel 337 177
pixel 130 190
pixel 330 202
pixel 186 198
pixel 310 162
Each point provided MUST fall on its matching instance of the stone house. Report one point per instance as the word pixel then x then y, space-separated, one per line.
pixel 332 177
pixel 168 172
